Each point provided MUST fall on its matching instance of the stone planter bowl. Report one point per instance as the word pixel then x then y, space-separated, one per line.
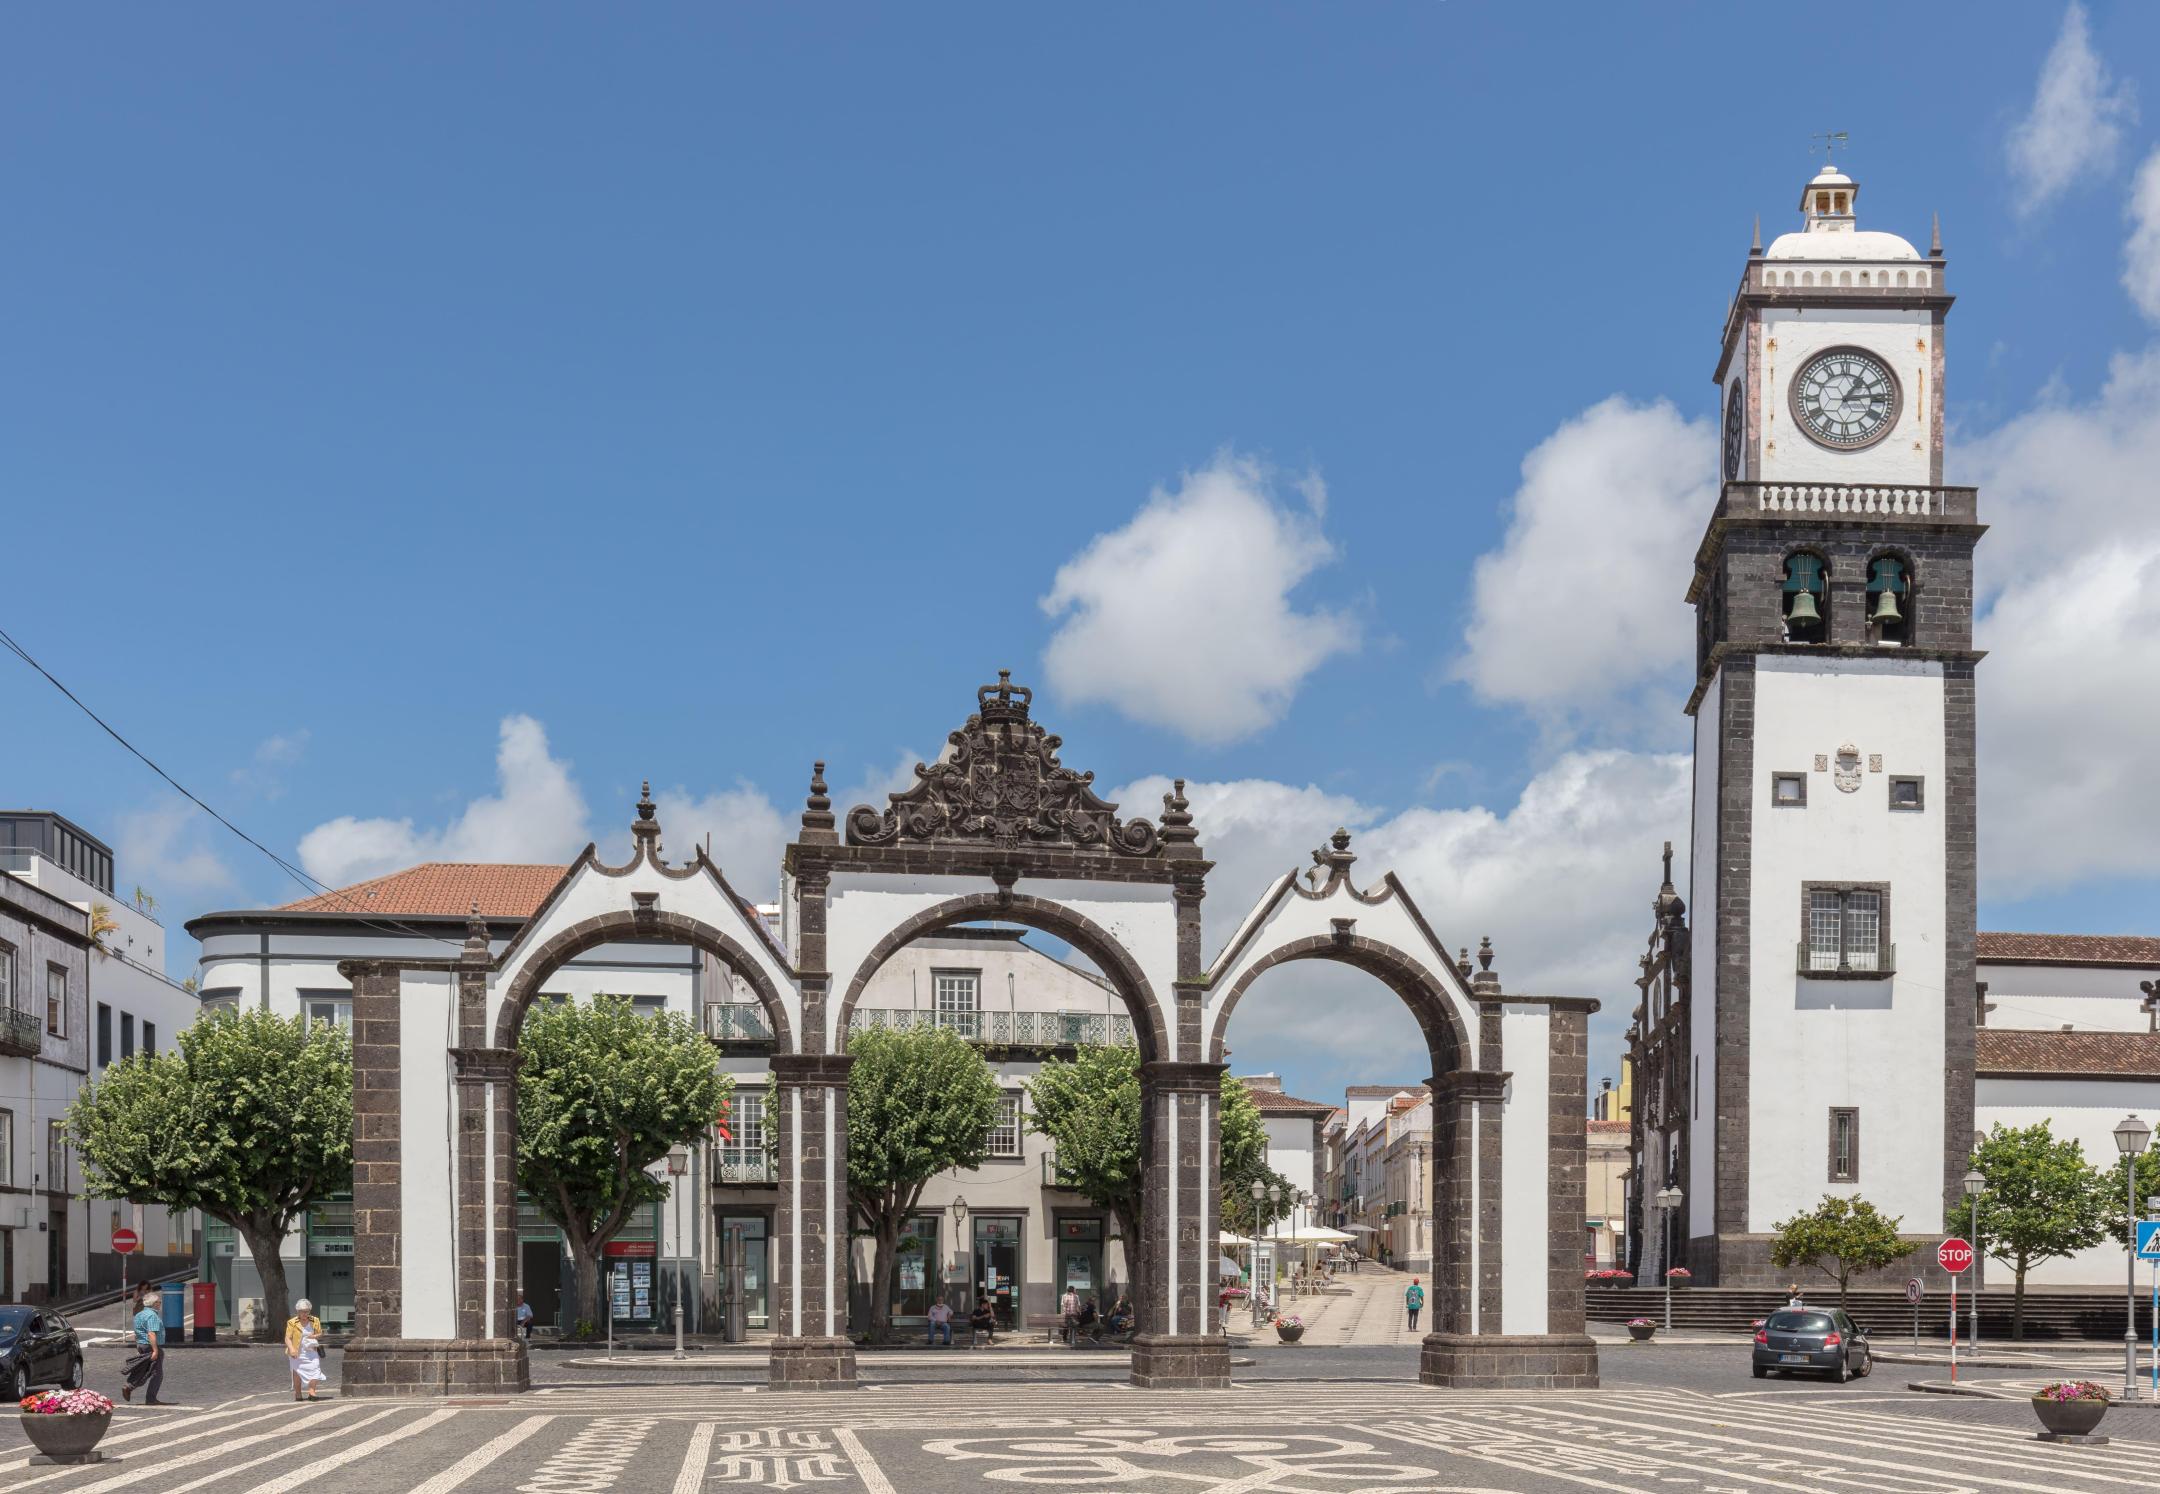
pixel 1290 1335
pixel 2063 1418
pixel 1641 1332
pixel 66 1438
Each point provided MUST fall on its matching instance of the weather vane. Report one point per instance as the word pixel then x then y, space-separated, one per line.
pixel 1832 142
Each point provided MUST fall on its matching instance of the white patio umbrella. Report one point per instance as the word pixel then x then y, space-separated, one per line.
pixel 1316 1234
pixel 1236 1241
pixel 1226 1267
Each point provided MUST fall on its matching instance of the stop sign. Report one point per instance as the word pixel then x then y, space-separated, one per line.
pixel 1954 1255
pixel 124 1241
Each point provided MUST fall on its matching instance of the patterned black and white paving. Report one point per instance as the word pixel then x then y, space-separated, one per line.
pixel 1281 1436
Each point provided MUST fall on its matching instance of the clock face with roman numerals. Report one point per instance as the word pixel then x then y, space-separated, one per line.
pixel 1845 399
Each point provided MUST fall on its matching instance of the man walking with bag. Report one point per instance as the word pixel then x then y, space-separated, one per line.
pixel 1414 1298
pixel 147 1368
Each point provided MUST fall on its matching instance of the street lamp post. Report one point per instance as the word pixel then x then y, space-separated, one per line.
pixel 1975 1185
pixel 678 1166
pixel 2131 1138
pixel 1668 1199
pixel 1259 1194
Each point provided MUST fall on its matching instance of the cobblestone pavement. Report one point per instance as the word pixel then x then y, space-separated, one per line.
pixel 1659 1425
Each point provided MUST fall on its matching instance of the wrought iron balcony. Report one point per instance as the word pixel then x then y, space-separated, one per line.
pixel 737 1022
pixel 22 1034
pixel 1884 966
pixel 1056 1029
pixel 744 1167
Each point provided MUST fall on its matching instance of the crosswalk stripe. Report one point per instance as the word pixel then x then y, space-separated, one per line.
pixel 149 1468
pixel 479 1458
pixel 1961 1439
pixel 162 1430
pixel 316 1469
pixel 282 1450
pixel 866 1467
pixel 693 1466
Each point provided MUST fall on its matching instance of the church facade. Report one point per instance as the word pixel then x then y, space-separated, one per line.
pixel 1815 1016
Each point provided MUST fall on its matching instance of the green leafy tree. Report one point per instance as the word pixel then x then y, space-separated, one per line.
pixel 249 1120
pixel 2042 1201
pixel 921 1101
pixel 1089 1107
pixel 1843 1237
pixel 603 1093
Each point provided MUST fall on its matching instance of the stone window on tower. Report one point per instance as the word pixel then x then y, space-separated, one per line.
pixel 1846 931
pixel 1907 795
pixel 1844 1145
pixel 1788 790
pixel 1806 592
pixel 1889 601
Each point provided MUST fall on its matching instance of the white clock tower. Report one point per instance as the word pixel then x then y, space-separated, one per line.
pixel 1831 960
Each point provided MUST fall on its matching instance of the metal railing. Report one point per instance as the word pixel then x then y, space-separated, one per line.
pixel 1054 1029
pixel 1885 964
pixel 737 1022
pixel 21 1033
pixel 1055 1176
pixel 739 1167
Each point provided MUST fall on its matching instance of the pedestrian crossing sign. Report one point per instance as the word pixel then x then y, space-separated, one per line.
pixel 2148 1239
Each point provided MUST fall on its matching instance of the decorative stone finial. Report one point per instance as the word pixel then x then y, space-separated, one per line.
pixel 1668 904
pixel 1336 856
pixel 1755 248
pixel 1935 236
pixel 1177 821
pixel 1485 983
pixel 1462 962
pixel 476 936
pixel 1003 701
pixel 1484 954
pixel 645 829
pixel 817 815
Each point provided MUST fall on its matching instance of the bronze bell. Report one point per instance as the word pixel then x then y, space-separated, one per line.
pixel 1886 608
pixel 1803 608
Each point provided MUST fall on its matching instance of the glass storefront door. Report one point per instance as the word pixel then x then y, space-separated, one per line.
pixel 757 1280
pixel 997 1266
pixel 915 1276
pixel 1080 1262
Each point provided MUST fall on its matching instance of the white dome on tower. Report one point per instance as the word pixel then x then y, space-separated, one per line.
pixel 1830 228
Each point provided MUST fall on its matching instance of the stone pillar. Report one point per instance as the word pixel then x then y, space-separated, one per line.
pixel 1179 1345
pixel 488 1354
pixel 811 1349
pixel 370 1357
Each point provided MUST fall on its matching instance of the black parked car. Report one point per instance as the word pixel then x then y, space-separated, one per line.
pixel 1814 1339
pixel 37 1347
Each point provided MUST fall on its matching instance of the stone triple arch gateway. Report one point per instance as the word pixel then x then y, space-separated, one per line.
pixel 997 828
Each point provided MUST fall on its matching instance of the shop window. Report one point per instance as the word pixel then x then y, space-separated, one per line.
pixel 1889 601
pixel 1844 1145
pixel 1805 598
pixel 1788 790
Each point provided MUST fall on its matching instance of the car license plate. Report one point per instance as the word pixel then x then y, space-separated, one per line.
pixel 1792 1359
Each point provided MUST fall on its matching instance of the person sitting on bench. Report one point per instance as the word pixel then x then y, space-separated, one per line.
pixel 982 1323
pixel 1087 1325
pixel 1121 1316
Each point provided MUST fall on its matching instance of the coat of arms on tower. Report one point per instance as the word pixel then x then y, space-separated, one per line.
pixel 999 781
pixel 1847 773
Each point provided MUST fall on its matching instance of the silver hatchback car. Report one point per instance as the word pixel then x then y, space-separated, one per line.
pixel 1816 1340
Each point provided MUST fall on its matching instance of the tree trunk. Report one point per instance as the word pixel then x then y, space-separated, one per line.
pixel 264 1239
pixel 2017 1305
pixel 585 1271
pixel 1128 1223
pixel 884 1261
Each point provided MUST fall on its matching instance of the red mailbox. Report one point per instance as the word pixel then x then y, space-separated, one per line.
pixel 205 1311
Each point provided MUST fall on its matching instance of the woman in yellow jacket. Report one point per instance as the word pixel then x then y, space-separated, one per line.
pixel 303 1350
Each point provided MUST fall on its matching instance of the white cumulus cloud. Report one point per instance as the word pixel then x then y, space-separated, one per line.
pixel 164 848
pixel 2141 255
pixel 537 814
pixel 1583 601
pixel 2075 125
pixel 746 829
pixel 1184 618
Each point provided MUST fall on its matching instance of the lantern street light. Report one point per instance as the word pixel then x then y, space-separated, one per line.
pixel 1259 1196
pixel 678 1166
pixel 1975 1185
pixel 2131 1138
pixel 1668 1199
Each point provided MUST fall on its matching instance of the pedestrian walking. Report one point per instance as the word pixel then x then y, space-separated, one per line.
pixel 146 1370
pixel 303 1350
pixel 524 1317
pixel 1792 1296
pixel 1414 1299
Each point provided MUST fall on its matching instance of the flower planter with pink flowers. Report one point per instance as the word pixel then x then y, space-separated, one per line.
pixel 2070 1410
pixel 66 1425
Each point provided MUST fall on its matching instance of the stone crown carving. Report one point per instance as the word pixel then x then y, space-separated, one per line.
pixel 1000 783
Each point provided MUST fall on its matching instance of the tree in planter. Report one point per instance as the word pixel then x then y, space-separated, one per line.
pixel 2042 1201
pixel 603 1092
pixel 1089 1106
pixel 1841 1238
pixel 249 1119
pixel 921 1101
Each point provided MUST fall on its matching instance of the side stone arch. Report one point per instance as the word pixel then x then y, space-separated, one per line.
pixel 1043 914
pixel 637 927
pixel 1445 1037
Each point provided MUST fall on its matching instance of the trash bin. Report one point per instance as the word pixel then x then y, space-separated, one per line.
pixel 172 1307
pixel 205 1313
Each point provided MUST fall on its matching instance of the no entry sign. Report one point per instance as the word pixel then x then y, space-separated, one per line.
pixel 124 1241
pixel 1954 1255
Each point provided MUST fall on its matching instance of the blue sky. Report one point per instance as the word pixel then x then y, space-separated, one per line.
pixel 420 425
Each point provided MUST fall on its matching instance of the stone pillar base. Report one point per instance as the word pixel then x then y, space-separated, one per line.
pixel 811 1364
pixel 1501 1361
pixel 1186 1361
pixel 434 1366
